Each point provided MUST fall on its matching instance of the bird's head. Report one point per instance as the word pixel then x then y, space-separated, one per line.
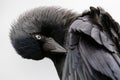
pixel 41 32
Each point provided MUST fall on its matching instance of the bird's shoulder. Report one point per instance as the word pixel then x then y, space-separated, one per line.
pixel 84 26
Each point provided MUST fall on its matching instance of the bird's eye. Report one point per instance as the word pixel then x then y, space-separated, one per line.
pixel 38 37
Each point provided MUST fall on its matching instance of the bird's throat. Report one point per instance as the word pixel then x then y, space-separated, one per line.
pixel 58 61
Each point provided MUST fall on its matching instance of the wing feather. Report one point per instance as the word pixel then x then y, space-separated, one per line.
pixel 92 54
pixel 94 32
pixel 99 59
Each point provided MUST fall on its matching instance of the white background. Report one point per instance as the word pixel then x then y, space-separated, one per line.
pixel 12 66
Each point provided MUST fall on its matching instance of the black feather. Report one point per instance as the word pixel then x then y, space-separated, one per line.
pixel 94 54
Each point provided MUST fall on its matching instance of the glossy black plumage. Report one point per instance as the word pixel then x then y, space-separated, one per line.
pixel 93 53
pixel 91 40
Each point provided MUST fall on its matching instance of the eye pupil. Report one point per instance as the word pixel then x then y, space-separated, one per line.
pixel 38 37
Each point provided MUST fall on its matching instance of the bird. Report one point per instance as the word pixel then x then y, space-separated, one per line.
pixel 41 32
pixel 82 46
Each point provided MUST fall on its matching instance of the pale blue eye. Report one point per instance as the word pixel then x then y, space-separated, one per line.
pixel 38 37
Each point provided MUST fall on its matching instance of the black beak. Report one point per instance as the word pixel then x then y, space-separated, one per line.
pixel 52 46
